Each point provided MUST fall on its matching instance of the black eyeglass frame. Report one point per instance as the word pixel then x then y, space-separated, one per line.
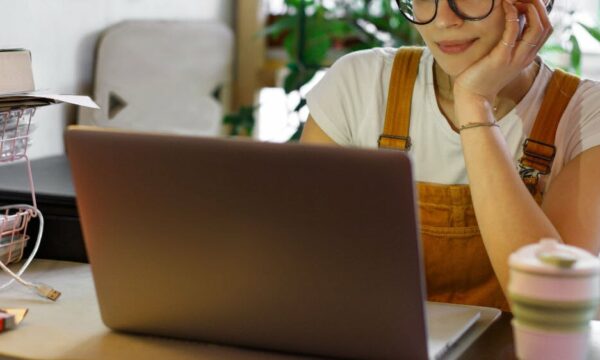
pixel 455 9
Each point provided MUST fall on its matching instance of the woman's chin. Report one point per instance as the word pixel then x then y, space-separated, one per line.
pixel 452 69
pixel 454 65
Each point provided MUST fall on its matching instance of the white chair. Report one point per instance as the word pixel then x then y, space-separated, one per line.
pixel 162 76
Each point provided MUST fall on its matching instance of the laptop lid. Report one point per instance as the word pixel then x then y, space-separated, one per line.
pixel 302 249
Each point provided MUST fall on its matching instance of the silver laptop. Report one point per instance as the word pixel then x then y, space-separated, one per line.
pixel 302 249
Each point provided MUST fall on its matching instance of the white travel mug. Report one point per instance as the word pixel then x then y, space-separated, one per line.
pixel 554 291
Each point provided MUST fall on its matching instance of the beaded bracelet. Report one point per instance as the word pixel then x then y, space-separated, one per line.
pixel 474 125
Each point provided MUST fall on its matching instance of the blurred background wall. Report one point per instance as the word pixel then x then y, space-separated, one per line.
pixel 62 36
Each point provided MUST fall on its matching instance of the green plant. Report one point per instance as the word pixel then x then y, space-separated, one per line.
pixel 314 34
pixel 564 50
pixel 314 31
pixel 242 122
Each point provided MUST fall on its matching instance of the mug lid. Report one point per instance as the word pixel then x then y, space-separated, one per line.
pixel 552 257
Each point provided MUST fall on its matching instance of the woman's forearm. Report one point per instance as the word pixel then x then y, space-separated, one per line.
pixel 507 214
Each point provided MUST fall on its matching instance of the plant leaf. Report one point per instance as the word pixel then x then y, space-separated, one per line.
pixel 575 55
pixel 316 47
pixel 595 32
pixel 554 48
pixel 290 81
pixel 297 78
pixel 300 105
pixel 285 23
pixel 296 136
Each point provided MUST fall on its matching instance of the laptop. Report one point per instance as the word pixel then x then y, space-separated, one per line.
pixel 309 250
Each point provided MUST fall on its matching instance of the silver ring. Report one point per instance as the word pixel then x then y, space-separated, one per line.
pixel 529 44
pixel 512 20
pixel 507 44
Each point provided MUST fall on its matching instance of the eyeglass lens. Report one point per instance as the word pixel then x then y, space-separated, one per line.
pixel 424 11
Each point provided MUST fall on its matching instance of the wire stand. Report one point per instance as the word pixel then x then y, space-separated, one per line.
pixel 15 130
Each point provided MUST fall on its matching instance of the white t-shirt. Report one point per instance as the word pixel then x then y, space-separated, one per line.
pixel 349 104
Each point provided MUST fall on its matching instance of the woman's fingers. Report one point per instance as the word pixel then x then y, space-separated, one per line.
pixel 534 33
pixel 534 29
pixel 511 29
pixel 543 14
pixel 544 18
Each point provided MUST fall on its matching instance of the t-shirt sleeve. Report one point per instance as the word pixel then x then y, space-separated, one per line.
pixel 584 133
pixel 335 103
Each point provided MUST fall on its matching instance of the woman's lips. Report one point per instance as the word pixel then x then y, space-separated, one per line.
pixel 455 47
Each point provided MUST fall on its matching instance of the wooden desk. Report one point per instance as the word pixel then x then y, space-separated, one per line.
pixel 72 328
pixel 497 343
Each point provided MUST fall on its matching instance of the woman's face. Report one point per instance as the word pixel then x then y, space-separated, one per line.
pixel 455 43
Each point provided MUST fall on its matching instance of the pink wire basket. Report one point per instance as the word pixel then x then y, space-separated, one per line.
pixel 15 130
pixel 13 233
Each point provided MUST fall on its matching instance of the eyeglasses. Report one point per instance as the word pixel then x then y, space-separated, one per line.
pixel 423 12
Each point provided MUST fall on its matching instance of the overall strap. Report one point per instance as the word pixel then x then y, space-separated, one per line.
pixel 538 148
pixel 397 116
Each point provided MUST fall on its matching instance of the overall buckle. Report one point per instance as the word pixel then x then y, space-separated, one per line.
pixel 534 159
pixel 394 142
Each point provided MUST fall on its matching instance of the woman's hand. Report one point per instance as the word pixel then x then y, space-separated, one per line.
pixel 482 81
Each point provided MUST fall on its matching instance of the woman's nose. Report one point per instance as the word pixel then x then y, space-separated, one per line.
pixel 446 17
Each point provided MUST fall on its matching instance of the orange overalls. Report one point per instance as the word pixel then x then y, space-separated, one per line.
pixel 457 267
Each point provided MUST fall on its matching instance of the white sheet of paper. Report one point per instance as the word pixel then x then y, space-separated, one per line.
pixel 50 98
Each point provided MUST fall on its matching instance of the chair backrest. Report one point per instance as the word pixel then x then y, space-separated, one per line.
pixel 162 76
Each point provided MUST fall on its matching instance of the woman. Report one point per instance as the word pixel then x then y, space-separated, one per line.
pixel 478 89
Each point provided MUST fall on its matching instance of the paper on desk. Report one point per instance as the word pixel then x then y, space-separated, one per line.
pixel 39 98
pixel 11 317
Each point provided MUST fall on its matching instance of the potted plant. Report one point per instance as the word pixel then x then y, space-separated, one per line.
pixel 314 34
